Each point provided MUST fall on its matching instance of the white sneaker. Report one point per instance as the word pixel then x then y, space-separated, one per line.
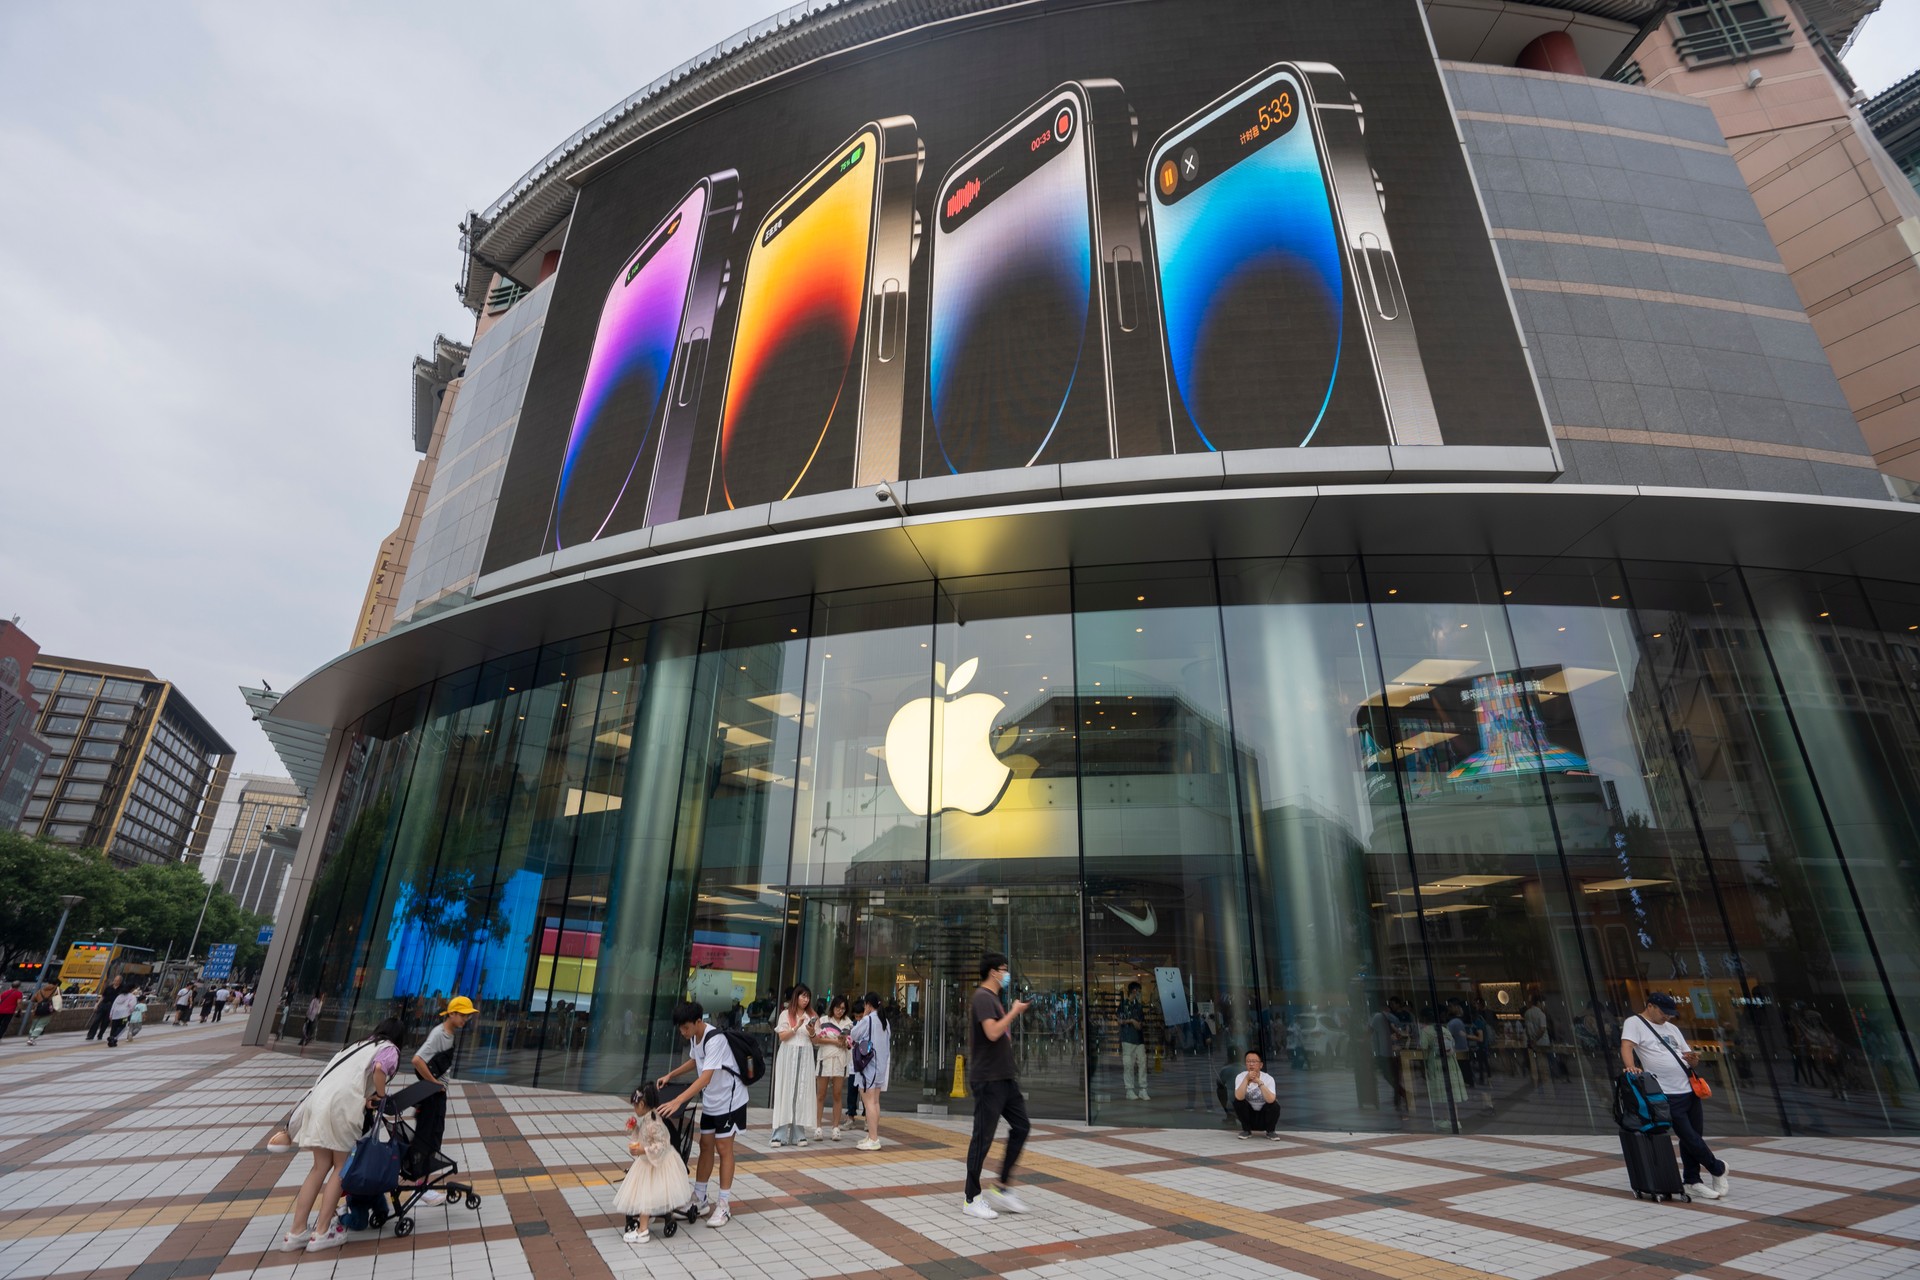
pixel 1719 1186
pixel 867 1144
pixel 636 1237
pixel 334 1237
pixel 720 1215
pixel 292 1242
pixel 817 1133
pixel 835 1136
pixel 1132 1096
pixel 1145 1096
pixel 1003 1199
pixel 776 1142
pixel 979 1208
pixel 433 1199
pixel 1704 1190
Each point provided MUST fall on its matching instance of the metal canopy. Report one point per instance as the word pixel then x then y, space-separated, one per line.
pixel 301 747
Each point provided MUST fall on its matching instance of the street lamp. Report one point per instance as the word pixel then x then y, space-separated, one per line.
pixel 68 901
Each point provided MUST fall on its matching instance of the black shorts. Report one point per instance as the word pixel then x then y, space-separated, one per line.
pixel 725 1125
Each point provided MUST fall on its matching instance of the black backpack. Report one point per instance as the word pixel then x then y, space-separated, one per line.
pixel 749 1064
pixel 1639 1104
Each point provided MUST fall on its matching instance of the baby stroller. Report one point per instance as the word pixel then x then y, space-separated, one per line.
pixel 437 1175
pixel 683 1124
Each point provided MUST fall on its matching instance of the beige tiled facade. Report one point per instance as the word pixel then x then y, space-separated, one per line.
pixel 1847 224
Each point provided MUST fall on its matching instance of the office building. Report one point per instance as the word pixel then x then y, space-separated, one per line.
pixel 132 766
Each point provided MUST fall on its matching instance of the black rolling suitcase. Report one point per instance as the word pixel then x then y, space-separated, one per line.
pixel 1651 1169
pixel 1646 1141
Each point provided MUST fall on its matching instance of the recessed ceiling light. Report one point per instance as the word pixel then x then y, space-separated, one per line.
pixel 1141 599
pixel 1613 597
pixel 1506 593
pixel 1563 628
pixel 1359 624
pixel 1464 626
pixel 1138 630
pixel 1823 613
pixel 1393 591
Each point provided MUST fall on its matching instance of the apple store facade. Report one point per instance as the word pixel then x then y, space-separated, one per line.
pixel 1316 805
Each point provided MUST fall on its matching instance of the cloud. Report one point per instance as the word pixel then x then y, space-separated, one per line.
pixel 233 229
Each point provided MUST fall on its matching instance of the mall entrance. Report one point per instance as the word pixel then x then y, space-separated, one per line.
pixel 921 947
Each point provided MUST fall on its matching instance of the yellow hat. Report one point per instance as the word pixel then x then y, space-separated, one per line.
pixel 459 1004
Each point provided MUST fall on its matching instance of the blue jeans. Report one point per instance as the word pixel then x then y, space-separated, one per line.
pixel 1688 1124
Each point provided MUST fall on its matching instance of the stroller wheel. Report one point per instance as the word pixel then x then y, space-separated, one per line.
pixel 670 1228
pixel 473 1199
pixel 403 1225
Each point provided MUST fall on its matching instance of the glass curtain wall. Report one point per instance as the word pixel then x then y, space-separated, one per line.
pixel 1422 831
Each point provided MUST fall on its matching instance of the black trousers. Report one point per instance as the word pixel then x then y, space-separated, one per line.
pixel 993 1101
pixel 114 1028
pixel 429 1127
pixel 1689 1127
pixel 1265 1120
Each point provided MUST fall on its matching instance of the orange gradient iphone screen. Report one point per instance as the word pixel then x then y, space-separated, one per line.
pixel 793 391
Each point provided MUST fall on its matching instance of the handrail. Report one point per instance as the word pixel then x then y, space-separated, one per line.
pixel 732 44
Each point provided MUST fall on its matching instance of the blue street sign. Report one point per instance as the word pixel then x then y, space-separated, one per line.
pixel 265 936
pixel 219 964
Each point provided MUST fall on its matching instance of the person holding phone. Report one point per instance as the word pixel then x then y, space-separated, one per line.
pixel 1256 1099
pixel 795 1104
pixel 996 1093
pixel 1651 1041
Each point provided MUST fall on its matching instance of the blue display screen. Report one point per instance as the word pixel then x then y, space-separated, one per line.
pixel 1251 276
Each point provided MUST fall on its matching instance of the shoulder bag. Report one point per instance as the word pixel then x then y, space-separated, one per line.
pixel 1695 1081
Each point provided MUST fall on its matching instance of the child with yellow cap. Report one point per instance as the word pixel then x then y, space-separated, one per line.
pixel 432 1062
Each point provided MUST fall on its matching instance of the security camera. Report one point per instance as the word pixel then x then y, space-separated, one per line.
pixel 1754 77
pixel 884 493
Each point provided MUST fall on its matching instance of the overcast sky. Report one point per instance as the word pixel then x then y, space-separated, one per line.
pixel 229 228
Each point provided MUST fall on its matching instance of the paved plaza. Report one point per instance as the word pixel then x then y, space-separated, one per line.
pixel 144 1162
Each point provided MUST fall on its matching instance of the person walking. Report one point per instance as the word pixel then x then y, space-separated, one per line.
pixel 871 1043
pixel 222 997
pixel 1133 1045
pixel 723 1104
pixel 139 1016
pixel 831 1090
pixel 9 1006
pixel 206 1004
pixel 996 1091
pixel 183 1004
pixel 46 1003
pixel 432 1062
pixel 103 1011
pixel 118 1014
pixel 312 1024
pixel 1651 1041
pixel 329 1122
pixel 1256 1100
pixel 795 1106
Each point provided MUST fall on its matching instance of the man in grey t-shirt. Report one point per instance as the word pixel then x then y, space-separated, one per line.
pixel 431 1062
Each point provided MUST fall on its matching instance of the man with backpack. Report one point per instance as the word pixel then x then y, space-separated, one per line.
pixel 724 1063
pixel 1651 1042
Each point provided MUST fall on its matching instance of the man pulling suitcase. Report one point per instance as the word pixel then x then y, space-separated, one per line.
pixel 1651 1042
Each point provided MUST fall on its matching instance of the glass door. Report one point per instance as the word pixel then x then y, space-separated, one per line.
pixel 920 949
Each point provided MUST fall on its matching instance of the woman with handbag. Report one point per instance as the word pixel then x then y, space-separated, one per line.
pixel 329 1121
pixel 1651 1041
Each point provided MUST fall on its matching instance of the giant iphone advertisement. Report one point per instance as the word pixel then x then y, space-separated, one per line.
pixel 1052 232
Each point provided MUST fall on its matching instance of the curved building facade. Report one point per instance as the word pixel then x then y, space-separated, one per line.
pixel 1343 535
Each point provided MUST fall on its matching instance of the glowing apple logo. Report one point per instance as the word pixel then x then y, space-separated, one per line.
pixel 957 732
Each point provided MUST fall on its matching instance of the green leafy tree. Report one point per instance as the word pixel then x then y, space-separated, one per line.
pixel 33 876
pixel 163 903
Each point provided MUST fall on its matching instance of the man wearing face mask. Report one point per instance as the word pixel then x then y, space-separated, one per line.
pixel 995 1091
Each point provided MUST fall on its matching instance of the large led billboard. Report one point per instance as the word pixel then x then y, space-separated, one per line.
pixel 1047 233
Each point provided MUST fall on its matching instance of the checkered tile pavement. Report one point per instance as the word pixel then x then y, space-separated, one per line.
pixel 142 1163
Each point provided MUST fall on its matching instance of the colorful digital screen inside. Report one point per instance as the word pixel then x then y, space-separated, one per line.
pixel 793 390
pixel 1251 274
pixel 1466 733
pixel 1012 377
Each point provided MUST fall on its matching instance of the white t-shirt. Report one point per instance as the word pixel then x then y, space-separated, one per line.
pixel 1647 1047
pixel 1255 1098
pixel 222 996
pixel 724 1093
pixel 184 996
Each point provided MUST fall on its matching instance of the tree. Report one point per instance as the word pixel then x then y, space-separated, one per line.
pixel 163 903
pixel 33 876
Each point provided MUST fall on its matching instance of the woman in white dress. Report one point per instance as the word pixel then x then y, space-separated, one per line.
pixel 795 1109
pixel 872 1063
pixel 830 1038
pixel 328 1123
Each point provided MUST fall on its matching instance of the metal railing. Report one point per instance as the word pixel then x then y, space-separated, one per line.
pixel 502 297
pixel 732 44
pixel 1726 39
pixel 1630 73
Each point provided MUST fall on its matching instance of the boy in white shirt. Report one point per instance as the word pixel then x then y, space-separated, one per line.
pixel 723 1103
pixel 1255 1098
pixel 1651 1042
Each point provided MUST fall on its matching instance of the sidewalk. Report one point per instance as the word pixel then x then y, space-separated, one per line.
pixel 143 1162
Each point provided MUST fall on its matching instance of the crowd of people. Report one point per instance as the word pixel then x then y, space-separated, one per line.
pixel 121 1009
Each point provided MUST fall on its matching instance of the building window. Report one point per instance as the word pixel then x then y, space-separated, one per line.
pixel 98 751
pixel 112 711
pixel 42 679
pixel 126 689
pixel 72 706
pixel 59 746
pixel 75 683
pixel 36 808
pixel 90 769
pixel 74 812
pixel 82 791
pixel 1719 30
pixel 61 724
pixel 68 831
pixel 113 732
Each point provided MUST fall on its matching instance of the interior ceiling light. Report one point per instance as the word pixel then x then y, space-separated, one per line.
pixel 1604 886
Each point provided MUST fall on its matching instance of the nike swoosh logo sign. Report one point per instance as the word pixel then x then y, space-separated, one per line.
pixel 1144 925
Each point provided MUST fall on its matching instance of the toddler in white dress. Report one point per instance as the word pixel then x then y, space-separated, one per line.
pixel 657 1183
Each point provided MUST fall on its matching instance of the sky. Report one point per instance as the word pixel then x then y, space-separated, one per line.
pixel 230 227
